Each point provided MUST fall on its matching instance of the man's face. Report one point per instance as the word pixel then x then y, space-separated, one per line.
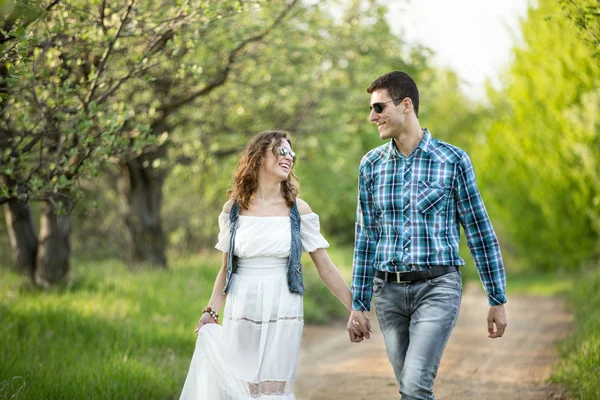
pixel 390 121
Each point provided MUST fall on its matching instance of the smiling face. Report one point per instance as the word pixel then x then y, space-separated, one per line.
pixel 391 121
pixel 276 165
pixel 262 161
pixel 398 95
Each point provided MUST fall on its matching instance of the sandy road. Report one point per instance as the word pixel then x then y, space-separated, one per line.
pixel 473 366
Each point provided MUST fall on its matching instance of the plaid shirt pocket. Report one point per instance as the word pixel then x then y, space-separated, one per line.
pixel 431 196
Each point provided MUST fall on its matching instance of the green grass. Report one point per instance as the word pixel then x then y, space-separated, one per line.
pixel 113 333
pixel 579 365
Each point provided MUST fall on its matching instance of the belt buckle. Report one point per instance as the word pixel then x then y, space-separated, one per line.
pixel 398 279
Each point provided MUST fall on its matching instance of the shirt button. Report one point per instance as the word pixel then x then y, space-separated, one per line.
pixel 406 249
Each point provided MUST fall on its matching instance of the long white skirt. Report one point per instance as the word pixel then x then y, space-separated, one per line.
pixel 254 355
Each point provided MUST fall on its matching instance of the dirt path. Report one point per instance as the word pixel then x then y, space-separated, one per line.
pixel 514 367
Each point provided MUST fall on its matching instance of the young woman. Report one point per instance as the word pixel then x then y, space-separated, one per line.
pixel 264 229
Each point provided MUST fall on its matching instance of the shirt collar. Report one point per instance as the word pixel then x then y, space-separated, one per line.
pixel 424 145
pixel 426 141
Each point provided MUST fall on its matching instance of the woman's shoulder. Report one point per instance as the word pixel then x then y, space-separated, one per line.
pixel 227 206
pixel 303 207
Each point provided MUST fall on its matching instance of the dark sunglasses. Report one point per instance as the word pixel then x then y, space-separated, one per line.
pixel 378 107
pixel 284 151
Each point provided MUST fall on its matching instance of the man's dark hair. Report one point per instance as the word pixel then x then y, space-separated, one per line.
pixel 399 86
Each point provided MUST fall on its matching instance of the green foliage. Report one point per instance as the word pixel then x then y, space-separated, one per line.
pixel 585 14
pixel 538 154
pixel 84 85
pixel 579 366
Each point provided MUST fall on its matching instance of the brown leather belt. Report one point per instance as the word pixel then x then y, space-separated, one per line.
pixel 414 276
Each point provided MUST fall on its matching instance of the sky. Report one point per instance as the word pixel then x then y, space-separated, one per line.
pixel 472 37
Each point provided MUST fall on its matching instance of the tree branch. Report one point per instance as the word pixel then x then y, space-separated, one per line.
pixel 51 5
pixel 124 79
pixel 221 76
pixel 105 56
pixel 102 15
pixel 158 44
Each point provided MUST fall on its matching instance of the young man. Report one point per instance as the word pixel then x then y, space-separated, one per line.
pixel 413 193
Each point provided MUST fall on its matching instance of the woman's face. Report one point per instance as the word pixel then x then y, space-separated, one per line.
pixel 278 165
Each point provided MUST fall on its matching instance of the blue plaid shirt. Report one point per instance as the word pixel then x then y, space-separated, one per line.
pixel 408 215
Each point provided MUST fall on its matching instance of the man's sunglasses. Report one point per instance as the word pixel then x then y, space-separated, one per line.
pixel 378 107
pixel 284 151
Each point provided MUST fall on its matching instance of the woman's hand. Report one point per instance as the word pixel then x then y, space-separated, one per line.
pixel 204 319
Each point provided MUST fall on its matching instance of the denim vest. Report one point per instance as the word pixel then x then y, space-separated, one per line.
pixel 294 268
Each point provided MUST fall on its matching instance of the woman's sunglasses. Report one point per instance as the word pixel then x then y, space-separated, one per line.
pixel 284 151
pixel 378 107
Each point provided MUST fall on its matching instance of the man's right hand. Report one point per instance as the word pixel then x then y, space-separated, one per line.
pixel 359 326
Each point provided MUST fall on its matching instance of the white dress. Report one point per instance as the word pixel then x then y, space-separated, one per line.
pixel 254 355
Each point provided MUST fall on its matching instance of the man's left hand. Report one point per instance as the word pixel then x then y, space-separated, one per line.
pixel 496 321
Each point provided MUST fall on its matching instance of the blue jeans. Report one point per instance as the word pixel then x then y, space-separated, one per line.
pixel 416 320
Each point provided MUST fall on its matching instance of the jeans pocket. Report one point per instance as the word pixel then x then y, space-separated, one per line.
pixel 378 286
pixel 451 280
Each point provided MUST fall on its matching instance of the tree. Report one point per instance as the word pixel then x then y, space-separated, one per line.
pixel 61 118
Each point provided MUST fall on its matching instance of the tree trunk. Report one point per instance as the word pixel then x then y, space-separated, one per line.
pixel 54 248
pixel 23 239
pixel 140 188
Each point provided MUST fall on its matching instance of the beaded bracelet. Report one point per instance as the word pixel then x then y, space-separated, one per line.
pixel 212 312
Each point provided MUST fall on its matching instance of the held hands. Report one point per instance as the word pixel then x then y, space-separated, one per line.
pixel 497 317
pixel 204 319
pixel 359 326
